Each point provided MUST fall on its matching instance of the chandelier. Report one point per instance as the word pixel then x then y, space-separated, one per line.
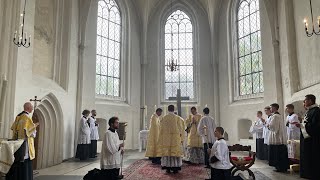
pixel 22 37
pixel 172 64
pixel 313 24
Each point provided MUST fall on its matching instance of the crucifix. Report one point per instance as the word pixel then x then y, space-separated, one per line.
pixel 35 101
pixel 179 99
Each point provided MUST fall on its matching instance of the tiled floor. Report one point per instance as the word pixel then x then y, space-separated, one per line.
pixel 75 167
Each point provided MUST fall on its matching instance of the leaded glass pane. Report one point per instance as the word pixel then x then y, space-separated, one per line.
pixel 249 48
pixel 179 46
pixel 108 48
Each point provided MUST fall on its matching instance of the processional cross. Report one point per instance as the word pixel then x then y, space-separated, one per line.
pixel 35 100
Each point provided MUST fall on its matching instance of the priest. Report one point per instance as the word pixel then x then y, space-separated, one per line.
pixel 195 152
pixel 170 142
pixel 153 135
pixel 310 140
pixel 23 128
pixel 278 154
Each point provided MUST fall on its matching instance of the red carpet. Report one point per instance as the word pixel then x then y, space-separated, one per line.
pixel 144 169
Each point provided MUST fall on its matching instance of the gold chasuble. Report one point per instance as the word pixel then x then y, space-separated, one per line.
pixel 23 127
pixel 194 139
pixel 169 142
pixel 153 136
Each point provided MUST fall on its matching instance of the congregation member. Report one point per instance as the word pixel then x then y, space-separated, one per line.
pixel 257 128
pixel 94 134
pixel 206 129
pixel 219 157
pixel 84 140
pixel 278 152
pixel 310 140
pixel 170 142
pixel 266 132
pixel 111 151
pixel 292 123
pixel 195 152
pixel 154 128
pixel 23 128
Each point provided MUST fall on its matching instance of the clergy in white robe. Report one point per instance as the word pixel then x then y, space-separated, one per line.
pixel 111 151
pixel 94 133
pixel 293 131
pixel 257 128
pixel 83 148
pixel 266 132
pixel 278 152
pixel 154 128
pixel 219 157
pixel 206 129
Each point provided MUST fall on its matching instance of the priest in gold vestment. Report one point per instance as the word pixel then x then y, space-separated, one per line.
pixel 195 153
pixel 153 135
pixel 170 142
pixel 23 128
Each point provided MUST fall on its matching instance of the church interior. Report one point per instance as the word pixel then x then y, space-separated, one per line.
pixel 127 58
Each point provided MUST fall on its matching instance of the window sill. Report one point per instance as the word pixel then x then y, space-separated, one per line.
pixel 111 100
pixel 248 99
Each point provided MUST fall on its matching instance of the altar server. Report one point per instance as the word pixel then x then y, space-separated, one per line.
pixel 266 132
pixel 257 128
pixel 94 133
pixel 111 151
pixel 278 154
pixel 219 157
pixel 83 148
pixel 292 122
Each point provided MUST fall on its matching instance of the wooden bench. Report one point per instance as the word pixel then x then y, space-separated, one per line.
pixel 242 163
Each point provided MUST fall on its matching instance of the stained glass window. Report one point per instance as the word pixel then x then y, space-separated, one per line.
pixel 179 46
pixel 250 72
pixel 108 58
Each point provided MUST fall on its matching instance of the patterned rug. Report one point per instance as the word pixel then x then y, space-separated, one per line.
pixel 144 169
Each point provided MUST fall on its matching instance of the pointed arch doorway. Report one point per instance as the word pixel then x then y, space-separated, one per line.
pixel 49 139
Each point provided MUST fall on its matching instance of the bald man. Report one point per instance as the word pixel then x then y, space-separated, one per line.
pixel 23 128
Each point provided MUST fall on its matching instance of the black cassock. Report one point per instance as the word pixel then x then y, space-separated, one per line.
pixel 310 146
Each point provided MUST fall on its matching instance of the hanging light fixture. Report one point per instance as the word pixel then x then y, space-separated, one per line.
pixel 172 64
pixel 313 24
pixel 22 37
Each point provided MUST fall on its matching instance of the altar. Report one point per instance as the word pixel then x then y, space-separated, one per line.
pixel 7 150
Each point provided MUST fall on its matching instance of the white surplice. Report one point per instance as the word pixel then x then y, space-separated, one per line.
pixel 209 123
pixel 111 151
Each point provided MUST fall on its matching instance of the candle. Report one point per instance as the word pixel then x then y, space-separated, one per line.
pixel 15 35
pixel 155 108
pixel 4 77
pixel 206 105
pixel 187 111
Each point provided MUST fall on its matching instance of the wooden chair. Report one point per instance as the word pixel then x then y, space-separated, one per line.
pixel 242 163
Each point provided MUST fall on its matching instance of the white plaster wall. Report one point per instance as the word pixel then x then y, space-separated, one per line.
pixel 29 84
pixel 299 53
pixel 232 111
pixel 128 110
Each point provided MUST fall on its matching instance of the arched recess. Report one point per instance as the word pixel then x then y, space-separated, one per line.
pixel 50 133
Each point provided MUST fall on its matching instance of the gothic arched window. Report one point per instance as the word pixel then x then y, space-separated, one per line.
pixel 179 47
pixel 108 53
pixel 249 58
